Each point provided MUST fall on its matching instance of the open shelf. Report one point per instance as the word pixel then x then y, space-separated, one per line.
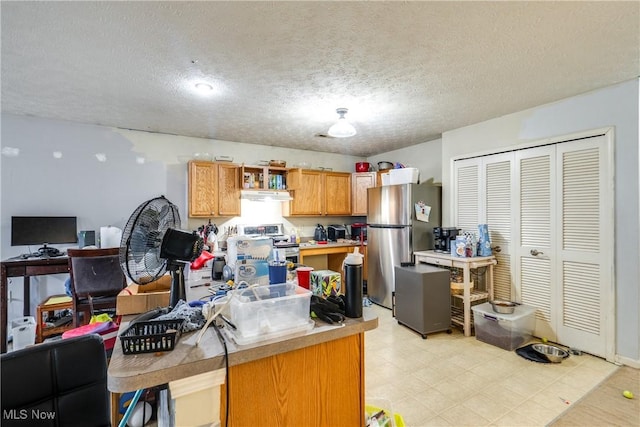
pixel 475 295
pixel 457 316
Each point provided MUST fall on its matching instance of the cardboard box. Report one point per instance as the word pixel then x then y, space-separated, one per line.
pixel 243 247
pixel 252 271
pixel 404 176
pixel 326 282
pixel 136 299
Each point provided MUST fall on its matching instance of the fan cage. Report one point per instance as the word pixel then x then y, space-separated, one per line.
pixel 141 239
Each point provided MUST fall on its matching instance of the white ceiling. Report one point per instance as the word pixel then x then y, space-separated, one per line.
pixel 407 71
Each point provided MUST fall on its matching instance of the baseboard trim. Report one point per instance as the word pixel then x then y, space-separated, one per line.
pixel 627 361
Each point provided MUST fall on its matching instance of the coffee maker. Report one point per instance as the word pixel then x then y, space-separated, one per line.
pixel 443 236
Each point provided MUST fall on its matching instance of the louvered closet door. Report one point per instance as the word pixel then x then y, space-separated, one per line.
pixel 484 196
pixel 499 200
pixel 467 193
pixel 584 246
pixel 535 241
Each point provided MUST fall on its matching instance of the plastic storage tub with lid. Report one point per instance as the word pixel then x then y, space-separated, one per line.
pixel 269 311
pixel 507 331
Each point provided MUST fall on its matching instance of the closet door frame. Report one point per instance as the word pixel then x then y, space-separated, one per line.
pixel 608 214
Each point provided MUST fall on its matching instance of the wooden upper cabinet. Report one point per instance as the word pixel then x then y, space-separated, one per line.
pixel 379 177
pixel 337 193
pixel 214 189
pixel 319 193
pixel 360 182
pixel 307 187
pixel 228 190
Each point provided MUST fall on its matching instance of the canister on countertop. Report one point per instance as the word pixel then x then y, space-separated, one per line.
pixel 352 267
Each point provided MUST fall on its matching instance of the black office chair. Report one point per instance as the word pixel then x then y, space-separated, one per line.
pixel 96 280
pixel 59 383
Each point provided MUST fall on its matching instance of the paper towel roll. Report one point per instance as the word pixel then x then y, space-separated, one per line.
pixel 110 237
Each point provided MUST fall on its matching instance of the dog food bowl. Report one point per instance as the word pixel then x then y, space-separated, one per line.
pixel 503 307
pixel 551 352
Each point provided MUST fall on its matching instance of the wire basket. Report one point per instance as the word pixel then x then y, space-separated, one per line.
pixel 151 336
pixel 458 288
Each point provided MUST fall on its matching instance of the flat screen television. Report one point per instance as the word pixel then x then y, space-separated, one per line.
pixel 43 230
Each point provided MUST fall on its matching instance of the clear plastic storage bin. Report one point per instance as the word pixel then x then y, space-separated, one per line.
pixel 269 311
pixel 507 331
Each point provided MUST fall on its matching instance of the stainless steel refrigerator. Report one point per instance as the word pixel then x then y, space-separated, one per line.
pixel 394 232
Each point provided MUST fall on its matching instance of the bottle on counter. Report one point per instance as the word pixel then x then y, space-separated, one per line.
pixel 352 268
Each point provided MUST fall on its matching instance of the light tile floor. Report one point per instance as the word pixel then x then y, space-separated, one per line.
pixel 453 380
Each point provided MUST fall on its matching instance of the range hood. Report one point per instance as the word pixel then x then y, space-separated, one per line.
pixel 265 195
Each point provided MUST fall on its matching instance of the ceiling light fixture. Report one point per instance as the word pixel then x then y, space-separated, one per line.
pixel 342 129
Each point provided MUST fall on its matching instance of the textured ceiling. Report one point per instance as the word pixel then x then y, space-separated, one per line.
pixel 407 71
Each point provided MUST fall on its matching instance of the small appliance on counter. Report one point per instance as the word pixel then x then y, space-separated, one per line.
pixel 359 231
pixel 320 234
pixel 218 265
pixel 443 238
pixel 335 232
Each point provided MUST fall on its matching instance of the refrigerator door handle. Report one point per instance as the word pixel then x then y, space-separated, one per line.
pixel 386 226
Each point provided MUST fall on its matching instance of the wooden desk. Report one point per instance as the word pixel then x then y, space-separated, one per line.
pixel 334 254
pixel 468 295
pixel 19 267
pixel 309 378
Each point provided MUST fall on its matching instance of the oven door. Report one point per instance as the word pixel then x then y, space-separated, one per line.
pixel 292 255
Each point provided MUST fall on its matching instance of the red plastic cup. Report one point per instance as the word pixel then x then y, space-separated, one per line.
pixel 304 276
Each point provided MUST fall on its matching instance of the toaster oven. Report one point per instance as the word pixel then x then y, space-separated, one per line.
pixel 335 232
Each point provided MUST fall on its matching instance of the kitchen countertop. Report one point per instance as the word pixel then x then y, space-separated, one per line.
pixel 346 243
pixel 133 372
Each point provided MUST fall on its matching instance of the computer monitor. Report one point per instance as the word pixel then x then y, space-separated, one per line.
pixel 43 230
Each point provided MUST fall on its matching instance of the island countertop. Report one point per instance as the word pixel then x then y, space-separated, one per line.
pixel 133 372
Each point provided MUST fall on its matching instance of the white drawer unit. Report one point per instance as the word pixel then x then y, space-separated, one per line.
pixel 436 261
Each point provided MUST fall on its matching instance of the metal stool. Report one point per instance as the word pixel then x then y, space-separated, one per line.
pixel 50 305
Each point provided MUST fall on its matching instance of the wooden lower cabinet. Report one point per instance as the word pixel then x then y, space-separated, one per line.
pixel 319 385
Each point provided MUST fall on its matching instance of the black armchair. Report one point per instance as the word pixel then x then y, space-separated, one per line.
pixel 60 383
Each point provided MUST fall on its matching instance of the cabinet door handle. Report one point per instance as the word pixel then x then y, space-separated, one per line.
pixel 535 252
pixel 496 249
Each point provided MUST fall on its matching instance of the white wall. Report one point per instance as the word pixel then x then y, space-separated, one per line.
pixel 616 106
pixel 106 193
pixel 427 157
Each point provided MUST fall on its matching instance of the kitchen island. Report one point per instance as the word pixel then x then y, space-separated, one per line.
pixel 304 379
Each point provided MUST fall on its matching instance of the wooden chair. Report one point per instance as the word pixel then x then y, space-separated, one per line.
pixel 96 280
